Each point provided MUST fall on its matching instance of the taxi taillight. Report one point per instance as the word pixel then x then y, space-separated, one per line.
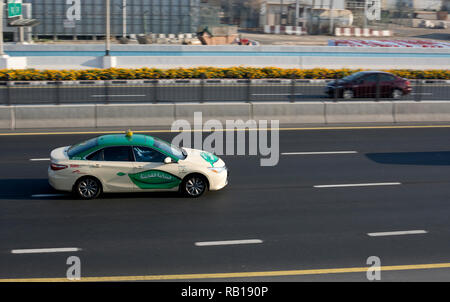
pixel 56 167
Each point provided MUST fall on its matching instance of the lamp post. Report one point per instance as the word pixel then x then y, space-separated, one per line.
pixel 108 27
pixel 144 20
pixel 365 14
pixel 2 50
pixel 124 18
pixel 331 17
pixel 282 20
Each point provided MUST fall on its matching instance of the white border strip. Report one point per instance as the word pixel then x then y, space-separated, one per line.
pixel 46 250
pixel 229 242
pixel 359 185
pixel 117 95
pixel 320 153
pixel 413 232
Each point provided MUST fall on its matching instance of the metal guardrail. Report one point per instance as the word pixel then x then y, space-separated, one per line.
pixel 195 90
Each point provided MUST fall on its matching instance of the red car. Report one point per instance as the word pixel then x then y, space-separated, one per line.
pixel 369 84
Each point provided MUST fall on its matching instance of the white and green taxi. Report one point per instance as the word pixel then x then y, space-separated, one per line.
pixel 134 163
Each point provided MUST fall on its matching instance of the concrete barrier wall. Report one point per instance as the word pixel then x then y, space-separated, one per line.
pixel 135 115
pixel 6 116
pixel 302 62
pixel 215 61
pixel 85 56
pixel 359 112
pixel 291 113
pixel 352 62
pixel 141 115
pixel 70 116
pixel 167 48
pixel 64 62
pixel 214 111
pixel 426 111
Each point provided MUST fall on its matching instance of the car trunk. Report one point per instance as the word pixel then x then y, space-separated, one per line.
pixel 59 154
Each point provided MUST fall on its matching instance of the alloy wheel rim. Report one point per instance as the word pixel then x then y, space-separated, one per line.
pixel 195 186
pixel 88 188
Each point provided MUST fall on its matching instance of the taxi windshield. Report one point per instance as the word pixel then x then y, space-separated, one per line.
pixel 174 151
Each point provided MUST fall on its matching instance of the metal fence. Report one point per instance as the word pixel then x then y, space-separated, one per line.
pixel 205 90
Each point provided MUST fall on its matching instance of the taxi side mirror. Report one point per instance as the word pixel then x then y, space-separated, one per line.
pixel 168 160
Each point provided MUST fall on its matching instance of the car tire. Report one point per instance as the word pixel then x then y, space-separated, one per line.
pixel 87 188
pixel 348 94
pixel 397 94
pixel 194 186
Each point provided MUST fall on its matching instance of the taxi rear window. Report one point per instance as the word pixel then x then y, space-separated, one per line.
pixel 82 147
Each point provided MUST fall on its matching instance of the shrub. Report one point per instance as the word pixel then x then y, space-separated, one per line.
pixel 203 72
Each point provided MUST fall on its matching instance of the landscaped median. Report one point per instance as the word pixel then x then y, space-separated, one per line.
pixel 203 73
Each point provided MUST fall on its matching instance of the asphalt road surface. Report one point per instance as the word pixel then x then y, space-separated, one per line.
pixel 147 93
pixel 297 221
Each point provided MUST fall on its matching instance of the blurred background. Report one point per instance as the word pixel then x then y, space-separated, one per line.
pixel 230 21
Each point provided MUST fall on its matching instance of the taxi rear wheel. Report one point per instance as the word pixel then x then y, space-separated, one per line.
pixel 194 186
pixel 88 188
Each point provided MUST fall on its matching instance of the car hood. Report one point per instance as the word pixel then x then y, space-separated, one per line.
pixel 203 158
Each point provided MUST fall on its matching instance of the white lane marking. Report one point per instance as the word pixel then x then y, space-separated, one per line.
pixel 47 195
pixel 397 233
pixel 229 242
pixel 422 93
pixel 40 159
pixel 117 95
pixel 359 185
pixel 319 153
pixel 46 250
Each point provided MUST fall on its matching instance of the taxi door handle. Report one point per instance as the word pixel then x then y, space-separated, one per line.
pixel 96 166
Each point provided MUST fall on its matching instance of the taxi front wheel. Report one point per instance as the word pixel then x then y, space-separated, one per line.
pixel 194 186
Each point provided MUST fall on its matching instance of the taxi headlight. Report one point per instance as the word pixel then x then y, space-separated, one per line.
pixel 217 170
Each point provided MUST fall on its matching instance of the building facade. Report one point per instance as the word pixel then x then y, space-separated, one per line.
pixel 430 5
pixel 87 18
pixel 272 10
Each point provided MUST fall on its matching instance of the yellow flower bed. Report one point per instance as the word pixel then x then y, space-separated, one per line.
pixel 203 72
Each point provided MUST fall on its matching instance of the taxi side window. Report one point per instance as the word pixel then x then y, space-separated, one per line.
pixel 122 153
pixel 148 155
pixel 96 156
